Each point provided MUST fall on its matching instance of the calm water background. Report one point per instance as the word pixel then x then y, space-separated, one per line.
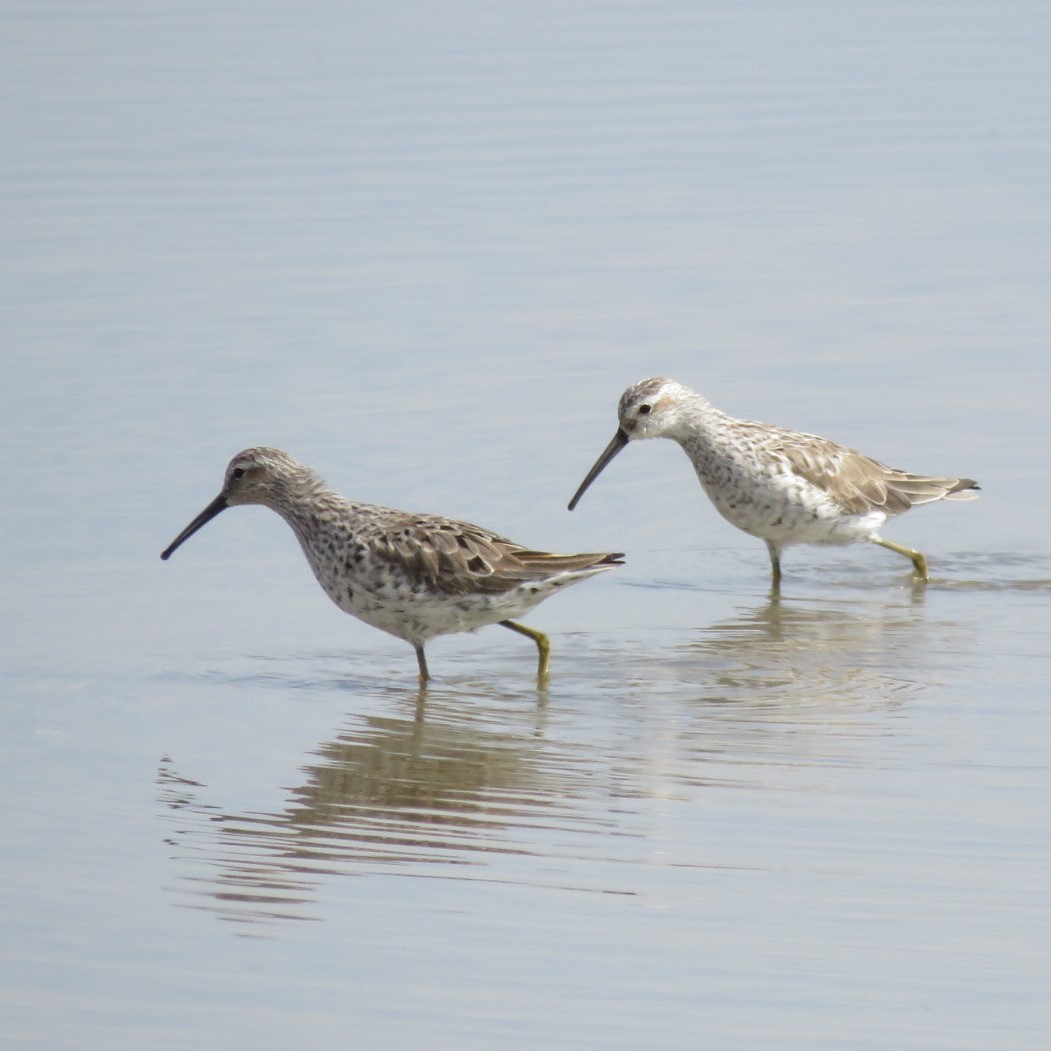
pixel 424 248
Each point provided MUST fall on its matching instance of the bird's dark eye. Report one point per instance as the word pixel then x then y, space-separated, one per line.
pixel 644 410
pixel 239 472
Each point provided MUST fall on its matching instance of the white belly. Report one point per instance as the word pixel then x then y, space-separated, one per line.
pixel 789 510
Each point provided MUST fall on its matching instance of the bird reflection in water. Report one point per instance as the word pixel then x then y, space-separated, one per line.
pixel 385 793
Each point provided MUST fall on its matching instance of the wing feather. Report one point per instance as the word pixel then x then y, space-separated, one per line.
pixel 457 558
pixel 858 483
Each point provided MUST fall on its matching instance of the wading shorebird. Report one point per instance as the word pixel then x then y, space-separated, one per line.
pixel 785 487
pixel 413 576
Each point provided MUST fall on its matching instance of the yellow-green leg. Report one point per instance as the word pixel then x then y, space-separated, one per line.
pixel 543 644
pixel 775 564
pixel 918 561
pixel 422 661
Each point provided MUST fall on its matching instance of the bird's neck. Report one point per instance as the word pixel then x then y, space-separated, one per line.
pixel 703 430
pixel 695 420
pixel 305 502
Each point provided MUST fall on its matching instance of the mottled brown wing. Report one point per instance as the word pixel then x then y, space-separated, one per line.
pixel 457 558
pixel 858 483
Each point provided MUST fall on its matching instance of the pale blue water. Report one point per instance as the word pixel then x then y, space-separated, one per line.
pixel 424 249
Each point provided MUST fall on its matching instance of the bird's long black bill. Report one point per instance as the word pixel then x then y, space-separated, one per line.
pixel 217 505
pixel 620 439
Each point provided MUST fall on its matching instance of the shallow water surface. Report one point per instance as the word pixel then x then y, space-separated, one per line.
pixel 424 250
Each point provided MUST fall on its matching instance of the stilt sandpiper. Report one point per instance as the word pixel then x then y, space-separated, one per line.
pixel 413 576
pixel 785 487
